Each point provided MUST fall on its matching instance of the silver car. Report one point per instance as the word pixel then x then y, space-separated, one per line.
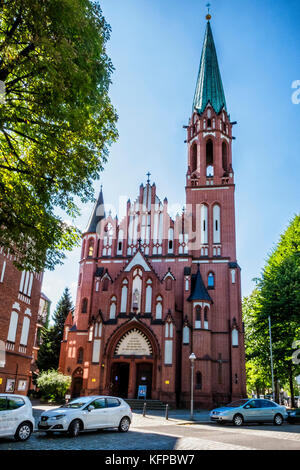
pixel 16 418
pixel 250 410
pixel 87 413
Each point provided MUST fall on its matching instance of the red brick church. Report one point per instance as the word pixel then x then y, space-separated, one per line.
pixel 153 290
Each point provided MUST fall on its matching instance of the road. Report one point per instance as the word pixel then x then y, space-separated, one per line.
pixel 155 433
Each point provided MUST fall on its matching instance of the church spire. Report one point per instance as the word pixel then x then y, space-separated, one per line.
pixel 97 215
pixel 209 87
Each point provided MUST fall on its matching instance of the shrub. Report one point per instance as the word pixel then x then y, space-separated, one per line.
pixel 53 385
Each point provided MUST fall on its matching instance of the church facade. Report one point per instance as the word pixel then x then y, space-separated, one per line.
pixel 152 290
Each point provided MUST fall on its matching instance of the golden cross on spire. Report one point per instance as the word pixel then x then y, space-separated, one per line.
pixel 208 16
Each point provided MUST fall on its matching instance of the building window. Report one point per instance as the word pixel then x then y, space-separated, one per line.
pixel 124 298
pixel 194 158
pixel 26 283
pixel 80 356
pixel 206 318
pixel 186 335
pixel 158 308
pixel 204 224
pixel 198 384
pixel 224 157
pixel 113 308
pixel 211 281
pixel 13 327
pixel 216 221
pixel 171 240
pixel 105 284
pixel 148 307
pixel 198 317
pixel 235 337
pixel 233 276
pixel 84 305
pixel 96 351
pixel 25 331
pixel 91 249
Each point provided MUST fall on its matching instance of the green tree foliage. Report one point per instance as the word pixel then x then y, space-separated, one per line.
pixel 56 122
pixel 48 355
pixel 53 385
pixel 277 296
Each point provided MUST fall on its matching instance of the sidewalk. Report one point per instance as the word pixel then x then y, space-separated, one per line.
pixel 175 417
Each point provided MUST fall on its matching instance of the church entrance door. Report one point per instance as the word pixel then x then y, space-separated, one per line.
pixel 120 379
pixel 144 377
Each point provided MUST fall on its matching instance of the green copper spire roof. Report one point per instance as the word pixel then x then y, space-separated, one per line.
pixel 209 86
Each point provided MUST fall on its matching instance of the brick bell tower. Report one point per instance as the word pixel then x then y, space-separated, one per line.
pixel 215 317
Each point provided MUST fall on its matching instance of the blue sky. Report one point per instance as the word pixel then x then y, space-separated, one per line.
pixel 155 47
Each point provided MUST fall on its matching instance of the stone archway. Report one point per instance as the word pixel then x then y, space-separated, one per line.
pixel 132 356
pixel 77 382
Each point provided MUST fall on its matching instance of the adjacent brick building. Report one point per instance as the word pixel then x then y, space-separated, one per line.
pixel 19 303
pixel 153 290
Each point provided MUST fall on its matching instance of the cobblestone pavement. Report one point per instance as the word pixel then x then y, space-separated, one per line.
pixel 153 432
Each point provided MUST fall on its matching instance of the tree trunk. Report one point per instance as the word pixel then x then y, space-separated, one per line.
pixel 291 380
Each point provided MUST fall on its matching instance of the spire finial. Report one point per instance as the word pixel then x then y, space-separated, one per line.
pixel 148 174
pixel 208 16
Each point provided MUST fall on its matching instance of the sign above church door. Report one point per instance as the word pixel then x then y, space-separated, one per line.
pixel 134 343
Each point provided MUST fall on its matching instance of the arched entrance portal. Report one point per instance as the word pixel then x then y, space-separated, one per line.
pixel 132 365
pixel 77 381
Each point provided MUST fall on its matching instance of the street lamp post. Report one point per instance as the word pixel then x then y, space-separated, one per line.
pixel 192 359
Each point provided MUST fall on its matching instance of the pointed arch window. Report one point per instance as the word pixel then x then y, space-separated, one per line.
pixel 91 248
pixel 209 152
pixel 211 281
pixel 224 157
pixel 113 308
pixel 206 318
pixel 198 317
pixel 169 283
pixel 124 296
pixel 194 162
pixel 170 240
pixel 204 224
pixel 120 242
pixel 105 284
pixel 148 306
pixel 80 356
pixel 217 224
pixel 235 337
pixel 84 305
pixel 158 308
pixel 198 384
pixel 169 332
pixel 186 335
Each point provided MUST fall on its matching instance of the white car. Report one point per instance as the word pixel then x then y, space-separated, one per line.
pixel 16 418
pixel 87 413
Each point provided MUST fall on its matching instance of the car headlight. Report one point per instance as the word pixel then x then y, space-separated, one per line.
pixel 59 416
pixel 293 413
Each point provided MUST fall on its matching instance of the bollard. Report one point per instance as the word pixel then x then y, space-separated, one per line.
pixel 167 411
pixel 144 409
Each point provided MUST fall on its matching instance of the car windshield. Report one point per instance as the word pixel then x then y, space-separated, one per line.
pixel 77 403
pixel 237 403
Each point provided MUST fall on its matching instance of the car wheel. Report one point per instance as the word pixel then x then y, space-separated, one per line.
pixel 124 424
pixel 238 420
pixel 278 420
pixel 74 428
pixel 23 432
